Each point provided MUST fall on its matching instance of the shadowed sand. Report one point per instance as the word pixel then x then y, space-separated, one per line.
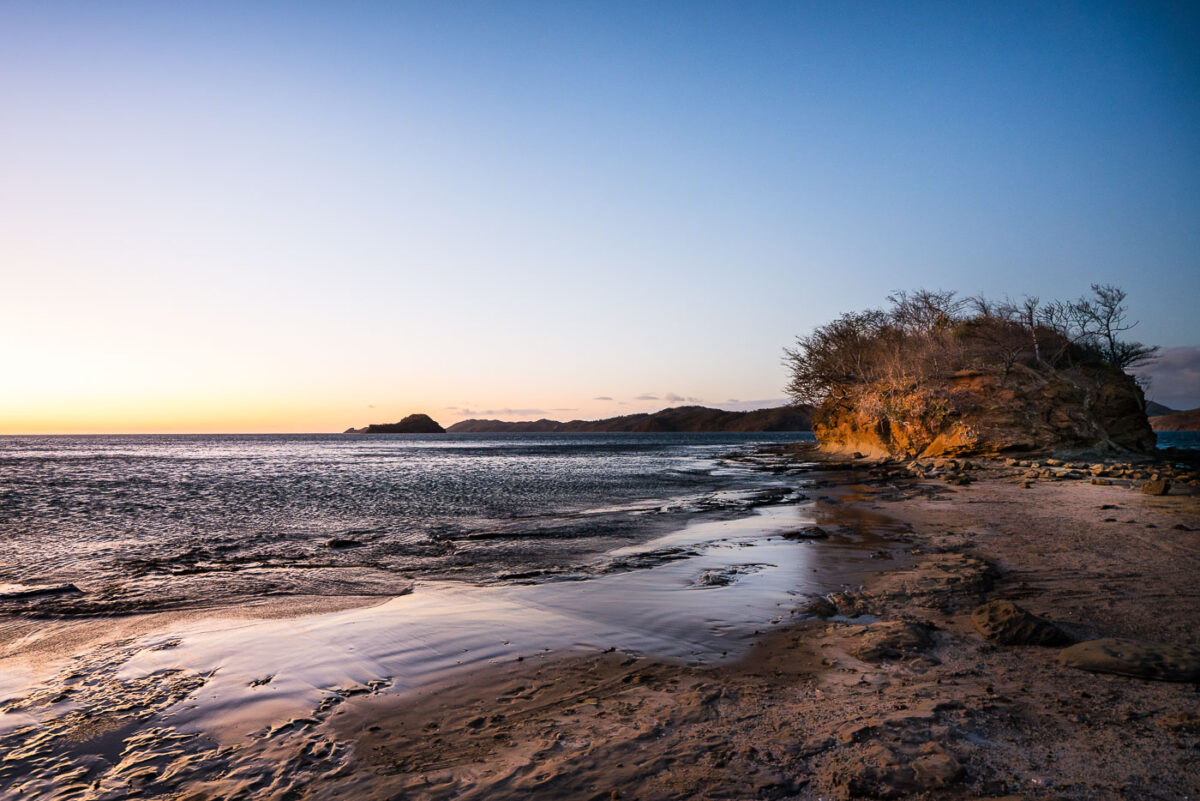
pixel 678 671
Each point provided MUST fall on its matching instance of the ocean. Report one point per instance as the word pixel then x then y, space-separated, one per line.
pixel 154 522
pixel 144 523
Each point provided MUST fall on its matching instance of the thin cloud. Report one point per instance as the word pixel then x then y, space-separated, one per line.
pixel 646 397
pixel 1174 377
pixel 671 397
pixel 602 397
pixel 750 405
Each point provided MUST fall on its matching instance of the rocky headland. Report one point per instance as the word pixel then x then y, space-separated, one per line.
pixel 1177 421
pixel 936 375
pixel 676 418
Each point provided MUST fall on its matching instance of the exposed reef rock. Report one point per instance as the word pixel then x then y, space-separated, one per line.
pixel 975 412
pixel 678 418
pixel 413 424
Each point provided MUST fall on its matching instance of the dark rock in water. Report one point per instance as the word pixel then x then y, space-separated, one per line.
pixel 807 533
pixel 341 542
pixel 1008 624
pixel 1141 660
pixel 892 640
pixel 44 591
pixel 1159 487
pixel 724 576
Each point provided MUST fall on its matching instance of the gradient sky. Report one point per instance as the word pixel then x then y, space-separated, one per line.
pixel 301 217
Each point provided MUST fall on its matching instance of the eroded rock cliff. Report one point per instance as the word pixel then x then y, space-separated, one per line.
pixel 976 412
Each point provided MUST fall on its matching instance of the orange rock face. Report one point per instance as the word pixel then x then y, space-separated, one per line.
pixel 987 413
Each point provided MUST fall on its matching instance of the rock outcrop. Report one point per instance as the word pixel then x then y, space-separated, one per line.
pixel 413 424
pixel 976 412
pixel 1141 660
pixel 1008 624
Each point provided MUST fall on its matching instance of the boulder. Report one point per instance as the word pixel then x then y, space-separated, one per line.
pixel 1008 624
pixel 1141 660
pixel 892 640
pixel 1156 487
pixel 883 772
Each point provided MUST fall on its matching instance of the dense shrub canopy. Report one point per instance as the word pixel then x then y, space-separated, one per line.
pixel 928 333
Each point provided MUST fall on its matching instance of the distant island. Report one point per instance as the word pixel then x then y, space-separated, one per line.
pixel 677 418
pixel 413 424
pixel 688 419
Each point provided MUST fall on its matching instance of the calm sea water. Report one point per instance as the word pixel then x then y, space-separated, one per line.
pixel 1187 440
pixel 150 522
pixel 143 522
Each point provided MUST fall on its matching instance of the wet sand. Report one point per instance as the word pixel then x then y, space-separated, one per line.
pixel 623 686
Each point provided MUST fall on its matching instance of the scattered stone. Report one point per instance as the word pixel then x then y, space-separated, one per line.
pixel 1157 487
pixel 1180 722
pixel 1008 624
pixel 1132 658
pixel 1102 482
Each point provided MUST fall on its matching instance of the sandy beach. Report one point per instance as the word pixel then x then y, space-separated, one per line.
pixel 846 664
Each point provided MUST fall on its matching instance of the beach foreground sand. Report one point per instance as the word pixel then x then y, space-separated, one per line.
pixel 887 690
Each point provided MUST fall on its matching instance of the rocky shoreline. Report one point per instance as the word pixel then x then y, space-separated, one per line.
pixel 951 677
pixel 1034 638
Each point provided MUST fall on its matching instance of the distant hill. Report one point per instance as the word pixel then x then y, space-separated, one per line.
pixel 1154 409
pixel 413 424
pixel 677 418
pixel 1177 421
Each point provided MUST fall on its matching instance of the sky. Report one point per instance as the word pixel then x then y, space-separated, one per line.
pixel 292 217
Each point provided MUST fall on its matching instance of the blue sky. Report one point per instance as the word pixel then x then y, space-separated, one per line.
pixel 254 216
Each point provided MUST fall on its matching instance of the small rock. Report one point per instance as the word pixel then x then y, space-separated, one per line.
pixel 1101 482
pixel 892 640
pixel 342 542
pixel 1158 487
pixel 1132 658
pixel 1006 623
